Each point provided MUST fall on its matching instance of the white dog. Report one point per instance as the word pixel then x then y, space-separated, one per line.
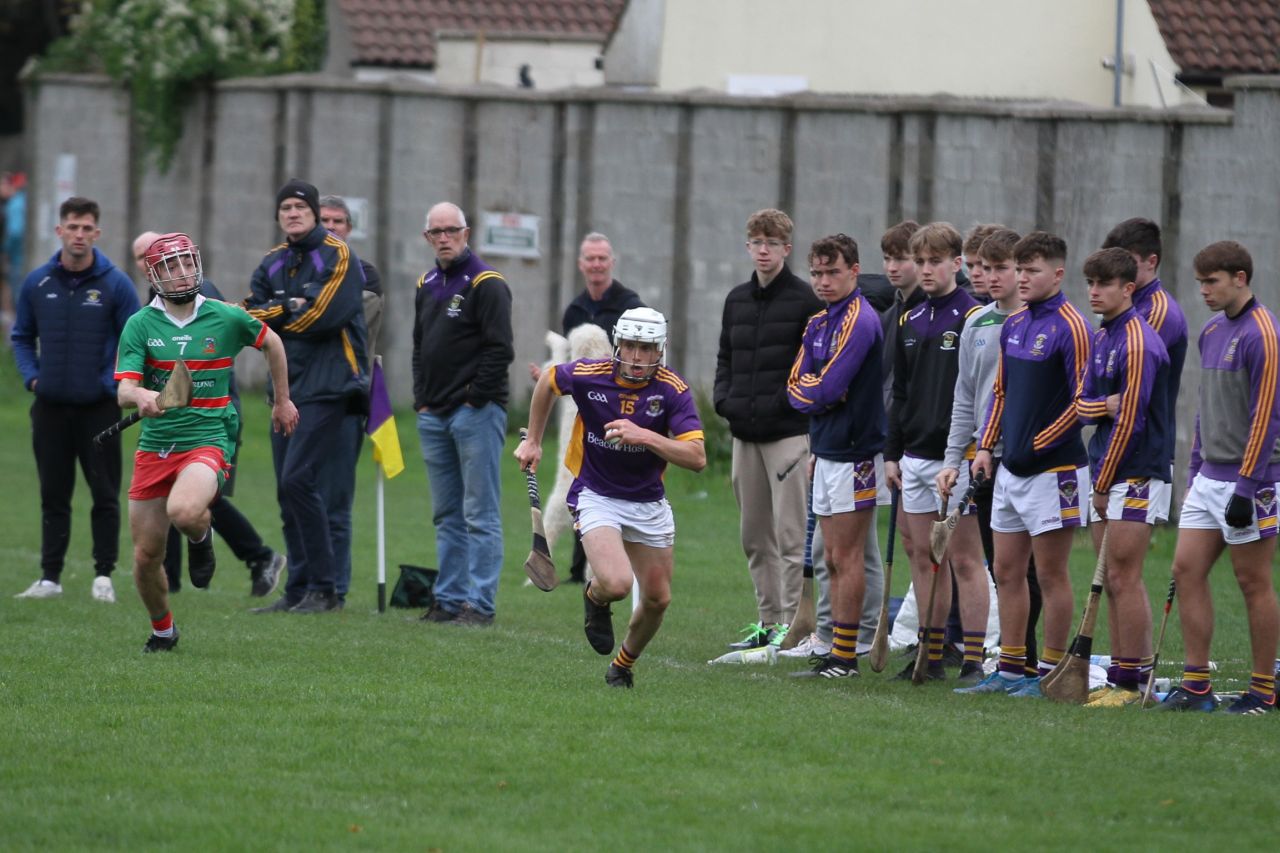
pixel 585 341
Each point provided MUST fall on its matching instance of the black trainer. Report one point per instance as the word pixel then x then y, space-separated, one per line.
pixel 200 561
pixel 970 674
pixel 598 624
pixel 753 637
pixel 156 643
pixel 1251 705
pixel 951 656
pixel 280 605
pixel 1182 699
pixel 830 667
pixel 316 602
pixel 265 574
pixel 438 613
pixel 619 676
pixel 469 617
pixel 935 671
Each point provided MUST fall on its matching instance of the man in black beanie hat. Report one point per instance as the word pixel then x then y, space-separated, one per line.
pixel 309 292
pixel 300 189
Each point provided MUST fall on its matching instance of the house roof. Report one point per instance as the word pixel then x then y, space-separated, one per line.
pixel 401 33
pixel 1220 36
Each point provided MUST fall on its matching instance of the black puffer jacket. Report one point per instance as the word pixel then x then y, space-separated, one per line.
pixel 760 334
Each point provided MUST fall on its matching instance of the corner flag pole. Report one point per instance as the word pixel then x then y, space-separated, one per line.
pixel 382 546
pixel 381 429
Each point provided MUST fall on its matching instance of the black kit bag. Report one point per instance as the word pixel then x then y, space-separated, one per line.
pixel 414 588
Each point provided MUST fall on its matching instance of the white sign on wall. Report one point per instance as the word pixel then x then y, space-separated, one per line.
pixel 512 235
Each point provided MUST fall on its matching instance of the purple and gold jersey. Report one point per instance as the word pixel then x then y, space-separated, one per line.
pixel 1238 423
pixel 664 404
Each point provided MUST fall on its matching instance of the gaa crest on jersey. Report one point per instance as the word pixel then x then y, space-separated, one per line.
pixel 1037 345
pixel 93 296
pixel 949 340
pixel 1067 490
pixel 653 406
pixel 455 306
pixel 864 474
pixel 210 346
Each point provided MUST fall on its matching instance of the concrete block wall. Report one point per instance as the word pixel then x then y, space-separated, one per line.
pixel 670 178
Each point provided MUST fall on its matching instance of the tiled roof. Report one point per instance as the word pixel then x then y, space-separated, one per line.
pixel 401 33
pixel 1221 36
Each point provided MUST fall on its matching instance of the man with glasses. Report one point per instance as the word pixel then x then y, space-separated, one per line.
pixel 462 351
pixel 761 329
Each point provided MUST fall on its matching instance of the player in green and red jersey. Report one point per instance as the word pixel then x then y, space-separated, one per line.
pixel 183 454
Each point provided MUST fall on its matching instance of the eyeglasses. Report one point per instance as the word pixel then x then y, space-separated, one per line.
pixel 772 245
pixel 451 231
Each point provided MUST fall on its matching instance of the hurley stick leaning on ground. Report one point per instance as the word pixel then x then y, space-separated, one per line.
pixel 879 654
pixel 1155 659
pixel 939 539
pixel 1069 680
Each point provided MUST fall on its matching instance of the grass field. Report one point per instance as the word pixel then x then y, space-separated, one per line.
pixel 379 732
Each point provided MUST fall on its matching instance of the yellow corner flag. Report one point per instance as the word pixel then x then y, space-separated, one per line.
pixel 381 427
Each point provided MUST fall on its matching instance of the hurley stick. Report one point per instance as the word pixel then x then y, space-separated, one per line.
pixel 538 565
pixel 879 654
pixel 1069 680
pixel 176 394
pixel 939 539
pixel 1155 660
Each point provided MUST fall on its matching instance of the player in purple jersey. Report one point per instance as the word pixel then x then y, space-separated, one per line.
pixel 634 416
pixel 176 485
pixel 837 380
pixel 1124 395
pixel 1235 465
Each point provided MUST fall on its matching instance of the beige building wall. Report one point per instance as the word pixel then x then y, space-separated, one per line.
pixel 1027 49
pixel 553 64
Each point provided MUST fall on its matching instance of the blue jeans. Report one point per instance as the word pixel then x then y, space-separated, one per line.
pixel 462 450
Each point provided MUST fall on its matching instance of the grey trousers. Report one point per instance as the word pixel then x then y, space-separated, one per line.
pixel 769 482
pixel 871 597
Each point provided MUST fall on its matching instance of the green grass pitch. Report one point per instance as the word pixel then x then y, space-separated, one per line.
pixel 362 731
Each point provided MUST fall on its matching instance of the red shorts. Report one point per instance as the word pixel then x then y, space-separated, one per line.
pixel 154 474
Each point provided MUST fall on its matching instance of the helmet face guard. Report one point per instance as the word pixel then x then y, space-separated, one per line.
pixel 174 268
pixel 644 326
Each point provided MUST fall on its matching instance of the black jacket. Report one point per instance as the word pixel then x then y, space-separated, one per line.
pixel 605 313
pixel 760 334
pixel 462 336
pixel 324 338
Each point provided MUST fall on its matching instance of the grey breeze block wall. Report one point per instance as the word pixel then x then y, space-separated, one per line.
pixel 670 178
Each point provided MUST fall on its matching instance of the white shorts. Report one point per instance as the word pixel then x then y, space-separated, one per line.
pixel 920 487
pixel 648 523
pixel 1206 509
pixel 884 495
pixel 1040 503
pixel 844 486
pixel 1139 499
